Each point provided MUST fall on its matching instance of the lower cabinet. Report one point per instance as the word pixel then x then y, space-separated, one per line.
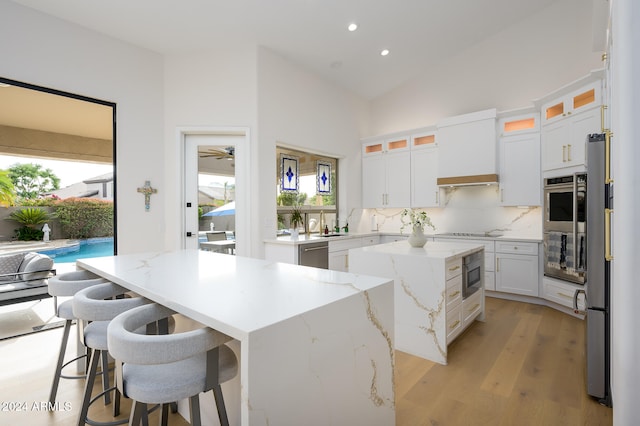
pixel 517 269
pixel 472 306
pixel 339 250
pixel 561 292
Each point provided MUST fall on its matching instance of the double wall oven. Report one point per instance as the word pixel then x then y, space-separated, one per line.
pixel 565 217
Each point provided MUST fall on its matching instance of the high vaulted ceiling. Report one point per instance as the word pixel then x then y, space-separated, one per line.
pixel 310 33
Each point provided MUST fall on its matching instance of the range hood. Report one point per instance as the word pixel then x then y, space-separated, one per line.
pixel 467 149
pixel 489 179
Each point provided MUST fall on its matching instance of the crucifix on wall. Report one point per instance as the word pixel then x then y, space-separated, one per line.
pixel 147 190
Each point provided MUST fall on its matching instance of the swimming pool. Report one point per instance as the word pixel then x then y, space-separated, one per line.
pixel 93 247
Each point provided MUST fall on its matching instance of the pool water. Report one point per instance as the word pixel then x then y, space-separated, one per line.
pixel 94 247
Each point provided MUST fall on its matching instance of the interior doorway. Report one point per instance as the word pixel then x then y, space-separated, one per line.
pixel 215 172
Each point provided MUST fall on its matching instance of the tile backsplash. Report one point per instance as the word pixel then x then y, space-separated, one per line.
pixel 470 209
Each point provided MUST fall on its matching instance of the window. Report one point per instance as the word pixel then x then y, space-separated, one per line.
pixel 309 181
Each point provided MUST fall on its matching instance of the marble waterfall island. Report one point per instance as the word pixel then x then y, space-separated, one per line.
pixel 429 307
pixel 314 346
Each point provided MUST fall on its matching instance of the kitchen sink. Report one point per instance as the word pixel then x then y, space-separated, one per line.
pixel 331 235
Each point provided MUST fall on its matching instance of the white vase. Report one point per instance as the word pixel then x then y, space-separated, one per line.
pixel 295 233
pixel 417 237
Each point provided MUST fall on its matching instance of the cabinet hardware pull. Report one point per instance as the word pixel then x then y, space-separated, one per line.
pixel 564 295
pixel 476 306
pixel 454 294
pixel 454 325
pixel 569 113
pixel 607 156
pixel 607 234
pixel 502 195
pixel 564 153
pixel 454 268
pixel 497 264
pixel 602 108
pixel 437 197
pixel 569 152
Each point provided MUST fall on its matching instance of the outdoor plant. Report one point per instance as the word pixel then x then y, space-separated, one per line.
pixel 85 217
pixel 29 218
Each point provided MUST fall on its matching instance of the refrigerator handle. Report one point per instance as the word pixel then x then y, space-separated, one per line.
pixel 577 310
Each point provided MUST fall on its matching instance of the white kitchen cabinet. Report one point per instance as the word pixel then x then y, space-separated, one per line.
pixel 517 268
pixel 564 141
pixel 386 173
pixel 339 252
pixel 586 97
pixel 568 116
pixel 424 170
pixel 519 147
pixel 561 292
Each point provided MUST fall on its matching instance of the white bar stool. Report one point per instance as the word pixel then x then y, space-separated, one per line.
pixel 66 285
pixel 160 369
pixel 98 305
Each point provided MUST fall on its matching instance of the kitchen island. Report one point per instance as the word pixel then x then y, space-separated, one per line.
pixel 430 310
pixel 315 346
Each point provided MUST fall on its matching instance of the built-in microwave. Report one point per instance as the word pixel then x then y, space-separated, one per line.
pixel 565 218
pixel 472 273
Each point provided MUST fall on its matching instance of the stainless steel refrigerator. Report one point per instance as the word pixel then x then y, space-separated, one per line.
pixel 597 288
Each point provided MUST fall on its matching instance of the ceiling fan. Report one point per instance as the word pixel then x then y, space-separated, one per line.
pixel 218 153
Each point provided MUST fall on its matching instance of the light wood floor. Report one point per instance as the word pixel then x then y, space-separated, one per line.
pixel 523 366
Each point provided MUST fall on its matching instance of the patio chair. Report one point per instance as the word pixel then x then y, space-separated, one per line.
pixel 24 277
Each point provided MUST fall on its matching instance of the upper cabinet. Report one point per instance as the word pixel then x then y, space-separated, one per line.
pixel 424 169
pixel 584 98
pixel 467 149
pixel 519 147
pixel 386 172
pixel 568 116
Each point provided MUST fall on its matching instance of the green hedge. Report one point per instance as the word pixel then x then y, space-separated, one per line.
pixel 85 217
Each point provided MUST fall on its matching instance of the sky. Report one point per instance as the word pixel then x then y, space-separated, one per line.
pixel 69 172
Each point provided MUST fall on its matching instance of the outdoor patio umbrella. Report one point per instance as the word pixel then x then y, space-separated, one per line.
pixel 226 210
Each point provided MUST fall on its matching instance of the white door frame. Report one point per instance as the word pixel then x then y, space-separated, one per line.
pixel 243 179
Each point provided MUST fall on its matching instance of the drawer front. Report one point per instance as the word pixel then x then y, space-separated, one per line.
pixel 517 247
pixel 346 244
pixel 454 292
pixel 453 268
pixel 371 240
pixel 454 323
pixel 560 294
pixel 472 306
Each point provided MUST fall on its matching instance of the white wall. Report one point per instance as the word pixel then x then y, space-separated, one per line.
pixel 506 71
pixel 49 52
pixel 214 88
pixel 298 109
pixel 625 110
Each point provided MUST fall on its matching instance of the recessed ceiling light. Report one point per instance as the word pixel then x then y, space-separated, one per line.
pixel 352 26
pixel 384 52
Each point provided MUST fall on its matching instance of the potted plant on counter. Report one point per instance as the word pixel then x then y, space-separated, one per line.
pixel 417 220
pixel 296 220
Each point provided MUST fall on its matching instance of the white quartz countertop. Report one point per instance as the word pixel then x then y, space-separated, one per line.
pixel 433 249
pixel 232 294
pixel 314 238
pixel 523 238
